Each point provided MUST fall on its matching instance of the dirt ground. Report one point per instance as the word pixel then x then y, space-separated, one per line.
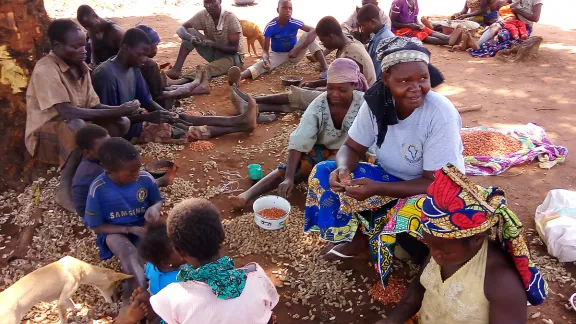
pixel 539 91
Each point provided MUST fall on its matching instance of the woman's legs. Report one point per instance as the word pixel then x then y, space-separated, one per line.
pixel 489 33
pixel 121 246
pixel 268 183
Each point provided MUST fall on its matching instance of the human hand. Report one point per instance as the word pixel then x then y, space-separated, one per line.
pixel 153 214
pixel 416 26
pixel 207 43
pixel 194 39
pixel 294 52
pixel 307 84
pixel 266 63
pixel 161 117
pixel 130 107
pixel 137 230
pixel 339 178
pixel 286 187
pixel 361 189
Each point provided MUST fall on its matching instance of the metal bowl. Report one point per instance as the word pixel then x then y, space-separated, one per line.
pixel 291 80
pixel 159 168
pixel 243 2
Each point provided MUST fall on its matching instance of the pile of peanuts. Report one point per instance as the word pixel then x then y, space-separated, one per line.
pixel 392 294
pixel 272 213
pixel 489 143
pixel 201 146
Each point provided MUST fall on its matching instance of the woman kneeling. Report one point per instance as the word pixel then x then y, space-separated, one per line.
pixel 416 131
pixel 321 132
pixel 452 286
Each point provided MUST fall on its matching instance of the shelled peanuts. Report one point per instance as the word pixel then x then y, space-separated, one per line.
pixel 489 143
pixel 272 213
pixel 392 294
pixel 201 146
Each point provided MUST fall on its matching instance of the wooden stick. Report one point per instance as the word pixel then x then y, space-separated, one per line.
pixel 538 109
pixel 469 108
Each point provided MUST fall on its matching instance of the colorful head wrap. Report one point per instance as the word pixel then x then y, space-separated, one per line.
pixel 396 50
pixel 344 70
pixel 151 33
pixel 456 208
pixel 392 51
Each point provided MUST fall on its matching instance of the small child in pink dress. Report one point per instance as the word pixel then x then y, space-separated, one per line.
pixel 210 290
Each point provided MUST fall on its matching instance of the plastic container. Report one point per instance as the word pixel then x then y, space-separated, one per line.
pixel 572 303
pixel 271 202
pixel 255 172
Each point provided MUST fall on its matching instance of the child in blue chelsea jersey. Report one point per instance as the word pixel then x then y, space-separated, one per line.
pixel 119 203
pixel 281 35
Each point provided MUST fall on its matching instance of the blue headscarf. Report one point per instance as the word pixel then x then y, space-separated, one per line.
pixel 152 34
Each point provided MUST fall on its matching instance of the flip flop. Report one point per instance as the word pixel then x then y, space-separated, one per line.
pixel 338 254
pixel 266 118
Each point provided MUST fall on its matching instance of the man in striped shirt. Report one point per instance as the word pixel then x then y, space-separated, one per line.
pixel 282 37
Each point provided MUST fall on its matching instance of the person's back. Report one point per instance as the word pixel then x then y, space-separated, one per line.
pixel 357 51
pixel 210 289
pixel 88 139
pixel 195 302
pixel 102 47
pixel 87 171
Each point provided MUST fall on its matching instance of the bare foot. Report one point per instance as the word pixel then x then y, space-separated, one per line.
pixel 251 114
pixel 470 42
pixel 427 23
pixel 238 202
pixel 234 76
pixel 239 99
pixel 465 41
pixel 204 86
pixel 134 313
pixel 455 35
pixel 173 74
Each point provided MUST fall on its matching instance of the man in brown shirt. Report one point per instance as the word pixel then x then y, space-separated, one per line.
pixel 59 100
pixel 220 45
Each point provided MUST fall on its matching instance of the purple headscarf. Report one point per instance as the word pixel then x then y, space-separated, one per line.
pixel 344 70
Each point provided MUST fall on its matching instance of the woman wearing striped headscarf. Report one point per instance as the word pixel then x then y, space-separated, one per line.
pixel 470 278
pixel 321 132
pixel 416 131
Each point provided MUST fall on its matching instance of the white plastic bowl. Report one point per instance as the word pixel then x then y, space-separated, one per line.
pixel 271 202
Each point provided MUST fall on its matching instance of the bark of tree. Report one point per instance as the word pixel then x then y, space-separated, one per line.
pixel 23 42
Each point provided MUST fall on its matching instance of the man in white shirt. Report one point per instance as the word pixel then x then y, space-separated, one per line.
pixel 351 25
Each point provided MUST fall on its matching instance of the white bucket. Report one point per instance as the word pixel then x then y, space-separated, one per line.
pixel 267 202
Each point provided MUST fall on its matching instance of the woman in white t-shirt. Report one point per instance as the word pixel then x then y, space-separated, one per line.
pixel 416 132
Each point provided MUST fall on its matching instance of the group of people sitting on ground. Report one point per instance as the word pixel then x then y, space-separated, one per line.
pixel 380 149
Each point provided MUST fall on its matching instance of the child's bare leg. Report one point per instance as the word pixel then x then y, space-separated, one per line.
pixel 121 246
pixel 268 183
pixel 437 39
pixel 240 101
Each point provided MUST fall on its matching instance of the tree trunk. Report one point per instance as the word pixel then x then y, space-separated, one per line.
pixel 23 41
